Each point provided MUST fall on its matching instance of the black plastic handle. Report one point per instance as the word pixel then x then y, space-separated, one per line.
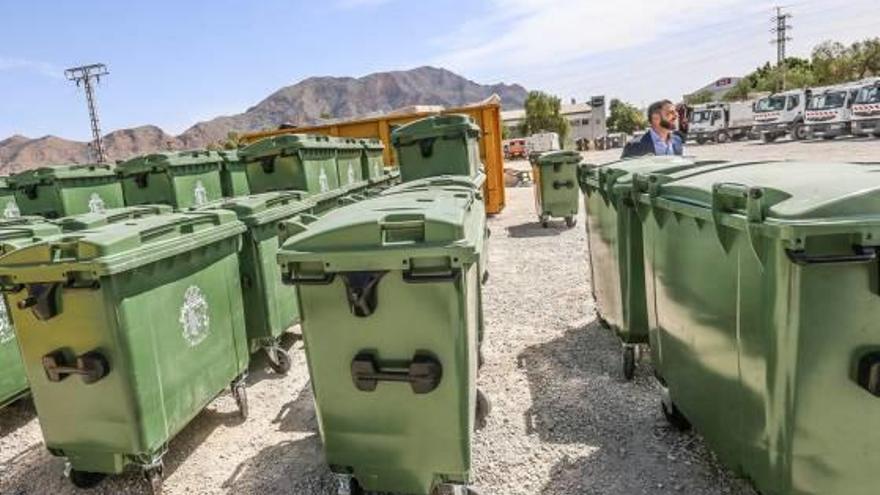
pixel 861 254
pixel 91 367
pixel 411 277
pixel 289 279
pixel 559 184
pixel 423 373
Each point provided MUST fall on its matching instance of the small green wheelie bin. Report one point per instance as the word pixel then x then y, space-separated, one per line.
pixel 388 292
pixel 614 246
pixel 182 179
pixel 763 309
pixel 233 175
pixel 7 200
pixel 301 162
pixel 556 190
pixel 14 234
pixel 437 145
pixel 270 307
pixel 126 332
pixel 54 192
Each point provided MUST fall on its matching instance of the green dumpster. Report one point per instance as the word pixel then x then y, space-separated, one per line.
pixel 270 307
pixel 182 179
pixel 14 234
pixel 348 163
pixel 437 145
pixel 373 160
pixel 7 199
pixel 762 297
pixel 389 299
pixel 54 192
pixel 303 162
pixel 555 180
pixel 233 175
pixel 127 331
pixel 614 242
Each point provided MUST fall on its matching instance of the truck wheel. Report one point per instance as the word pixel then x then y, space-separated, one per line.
pixel 85 479
pixel 673 416
pixel 483 408
pixel 768 138
pixel 570 221
pixel 629 362
pixel 701 141
pixel 155 477
pixel 722 137
pixel 279 360
pixel 799 132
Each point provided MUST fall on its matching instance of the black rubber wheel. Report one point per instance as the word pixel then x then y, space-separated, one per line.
pixel 799 132
pixel 279 361
pixel 701 141
pixel 481 359
pixel 570 221
pixel 629 362
pixel 722 138
pixel 674 417
pixel 239 393
pixel 768 138
pixel 485 277
pixel 85 479
pixel 828 138
pixel 156 478
pixel 545 223
pixel 483 409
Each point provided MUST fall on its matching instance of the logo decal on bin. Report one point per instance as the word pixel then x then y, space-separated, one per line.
pixel 194 316
pixel 11 210
pixel 6 331
pixel 201 193
pixel 351 178
pixel 96 204
pixel 322 181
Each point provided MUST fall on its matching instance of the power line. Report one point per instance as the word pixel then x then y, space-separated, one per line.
pixel 781 29
pixel 83 76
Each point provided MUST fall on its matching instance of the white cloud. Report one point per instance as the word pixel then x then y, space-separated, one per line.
pixel 39 67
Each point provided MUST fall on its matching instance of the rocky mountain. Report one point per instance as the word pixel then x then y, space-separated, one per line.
pixel 307 102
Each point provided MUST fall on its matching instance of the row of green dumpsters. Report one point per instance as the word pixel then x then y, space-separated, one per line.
pixel 319 166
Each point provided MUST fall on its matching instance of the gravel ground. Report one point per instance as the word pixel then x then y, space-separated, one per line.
pixel 563 422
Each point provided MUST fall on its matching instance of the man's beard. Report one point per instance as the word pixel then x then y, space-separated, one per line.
pixel 669 126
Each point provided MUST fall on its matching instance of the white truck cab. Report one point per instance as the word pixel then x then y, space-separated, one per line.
pixel 779 114
pixel 866 109
pixel 829 110
pixel 720 122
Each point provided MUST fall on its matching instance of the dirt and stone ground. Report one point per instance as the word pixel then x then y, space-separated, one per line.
pixel 564 422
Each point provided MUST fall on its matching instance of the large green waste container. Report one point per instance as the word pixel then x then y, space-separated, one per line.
pixel 556 187
pixel 389 299
pixel 14 234
pixel 614 241
pixel 373 161
pixel 437 145
pixel 54 192
pixel 270 307
pixel 303 162
pixel 127 331
pixel 8 205
pixel 348 163
pixel 182 179
pixel 233 175
pixel 763 303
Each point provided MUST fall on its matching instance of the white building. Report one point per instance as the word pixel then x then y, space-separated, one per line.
pixel 586 120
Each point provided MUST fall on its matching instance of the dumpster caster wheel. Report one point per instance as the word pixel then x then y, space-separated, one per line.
pixel 279 360
pixel 484 407
pixel 630 355
pixel 570 221
pixel 85 479
pixel 156 478
pixel 674 416
pixel 239 392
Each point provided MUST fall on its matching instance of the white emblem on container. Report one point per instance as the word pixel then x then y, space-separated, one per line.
pixel 96 204
pixel 6 331
pixel 376 171
pixel 201 193
pixel 194 316
pixel 351 177
pixel 322 181
pixel 11 210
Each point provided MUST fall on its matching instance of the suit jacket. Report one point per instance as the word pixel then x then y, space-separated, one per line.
pixel 645 146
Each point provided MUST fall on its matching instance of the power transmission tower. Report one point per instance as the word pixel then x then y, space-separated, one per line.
pixel 84 76
pixel 780 28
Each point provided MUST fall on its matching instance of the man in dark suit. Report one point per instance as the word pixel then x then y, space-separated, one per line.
pixel 661 138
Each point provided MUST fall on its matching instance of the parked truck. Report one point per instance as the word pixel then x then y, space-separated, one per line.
pixel 515 149
pixel 866 109
pixel 829 110
pixel 721 122
pixel 780 114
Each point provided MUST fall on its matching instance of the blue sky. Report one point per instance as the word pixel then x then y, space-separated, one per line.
pixel 175 63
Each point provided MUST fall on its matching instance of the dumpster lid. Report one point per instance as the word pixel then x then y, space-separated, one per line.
pixel 385 232
pixel 454 181
pixel 229 155
pixel 167 160
pixel 449 125
pixel 45 175
pixel 118 247
pixel 283 144
pixel 559 157
pixel 372 144
pixel 259 209
pixel 792 190
pixel 91 220
pixel 347 143
pixel 23 231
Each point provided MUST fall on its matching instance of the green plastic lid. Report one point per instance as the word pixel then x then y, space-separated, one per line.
pixel 23 231
pixel 284 144
pixel 258 209
pixel 158 162
pixel 48 175
pixel 372 144
pixel 92 220
pixel 229 156
pixel 447 125
pixel 559 157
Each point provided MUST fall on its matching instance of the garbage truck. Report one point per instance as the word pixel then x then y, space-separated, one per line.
pixel 721 122
pixel 829 110
pixel 866 109
pixel 780 114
